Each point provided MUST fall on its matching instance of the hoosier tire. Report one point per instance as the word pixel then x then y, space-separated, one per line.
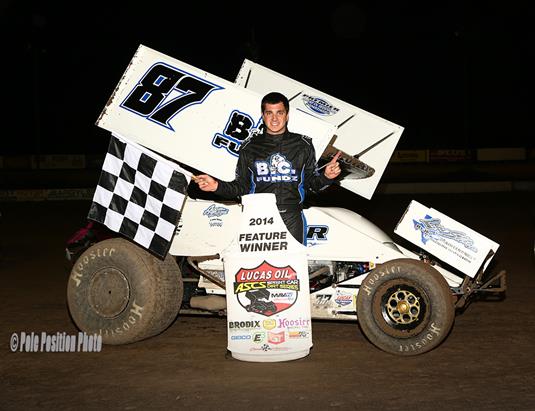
pixel 405 307
pixel 120 291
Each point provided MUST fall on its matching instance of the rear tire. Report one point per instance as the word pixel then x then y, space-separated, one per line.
pixel 120 291
pixel 405 307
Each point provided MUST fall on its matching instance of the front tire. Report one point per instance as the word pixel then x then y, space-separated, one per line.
pixel 120 291
pixel 405 307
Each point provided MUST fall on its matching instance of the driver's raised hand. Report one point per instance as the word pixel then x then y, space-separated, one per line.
pixel 332 170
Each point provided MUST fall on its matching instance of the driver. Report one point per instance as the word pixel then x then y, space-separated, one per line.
pixel 277 161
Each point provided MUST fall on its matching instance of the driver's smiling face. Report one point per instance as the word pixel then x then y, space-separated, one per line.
pixel 275 118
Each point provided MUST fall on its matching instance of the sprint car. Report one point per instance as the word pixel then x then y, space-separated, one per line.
pixel 403 300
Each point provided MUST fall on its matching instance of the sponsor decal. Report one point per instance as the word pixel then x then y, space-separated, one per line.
pixel 431 229
pixel 276 169
pixel 343 298
pixel 276 338
pixel 269 324
pixel 266 289
pixel 294 322
pixel 259 337
pixel 213 213
pixel 267 347
pixel 164 91
pixel 298 334
pixel 243 325
pixel 239 127
pixel 241 337
pixel 317 232
pixel 319 105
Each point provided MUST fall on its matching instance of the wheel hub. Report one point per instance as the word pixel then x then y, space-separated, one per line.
pixel 403 307
pixel 109 292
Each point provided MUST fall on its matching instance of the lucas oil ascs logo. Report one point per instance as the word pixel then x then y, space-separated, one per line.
pixel 266 289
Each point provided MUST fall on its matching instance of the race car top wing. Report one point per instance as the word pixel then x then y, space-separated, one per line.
pixel 360 135
pixel 191 116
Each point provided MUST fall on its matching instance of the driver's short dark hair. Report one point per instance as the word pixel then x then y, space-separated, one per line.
pixel 273 98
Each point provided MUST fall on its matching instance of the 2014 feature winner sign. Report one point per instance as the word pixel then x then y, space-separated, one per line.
pixel 266 276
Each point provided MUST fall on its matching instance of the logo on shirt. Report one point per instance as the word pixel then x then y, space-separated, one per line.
pixel 277 169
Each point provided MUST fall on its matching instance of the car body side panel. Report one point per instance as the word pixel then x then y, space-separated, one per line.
pixel 205 228
pixel 342 239
pixel 334 234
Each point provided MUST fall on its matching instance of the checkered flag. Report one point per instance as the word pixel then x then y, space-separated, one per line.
pixel 140 195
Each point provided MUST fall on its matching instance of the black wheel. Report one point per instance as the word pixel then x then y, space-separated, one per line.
pixel 122 292
pixel 405 307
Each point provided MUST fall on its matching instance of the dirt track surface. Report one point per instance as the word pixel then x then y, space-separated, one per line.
pixel 487 361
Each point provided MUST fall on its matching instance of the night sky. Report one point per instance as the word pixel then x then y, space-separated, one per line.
pixel 454 75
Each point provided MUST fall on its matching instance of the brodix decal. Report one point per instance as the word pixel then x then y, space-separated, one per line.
pixel 266 289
